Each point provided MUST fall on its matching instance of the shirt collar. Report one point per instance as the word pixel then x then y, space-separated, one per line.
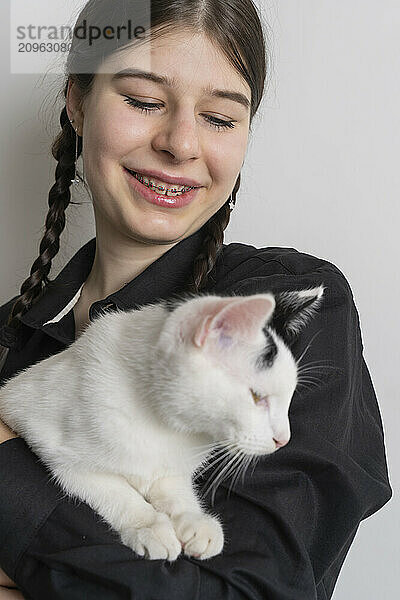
pixel 163 278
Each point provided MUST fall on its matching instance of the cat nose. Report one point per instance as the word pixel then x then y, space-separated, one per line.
pixel 280 443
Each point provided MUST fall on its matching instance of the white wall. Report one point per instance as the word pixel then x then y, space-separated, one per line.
pixel 322 172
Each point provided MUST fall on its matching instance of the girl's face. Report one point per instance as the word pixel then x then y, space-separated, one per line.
pixel 188 131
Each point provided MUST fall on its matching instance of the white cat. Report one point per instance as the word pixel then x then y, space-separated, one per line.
pixel 127 414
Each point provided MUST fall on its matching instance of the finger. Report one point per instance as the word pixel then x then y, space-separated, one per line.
pixel 6 594
pixel 5 580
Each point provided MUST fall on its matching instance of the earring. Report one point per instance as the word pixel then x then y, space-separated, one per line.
pixel 77 179
pixel 231 203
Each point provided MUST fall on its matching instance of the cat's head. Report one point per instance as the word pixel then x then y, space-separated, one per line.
pixel 224 367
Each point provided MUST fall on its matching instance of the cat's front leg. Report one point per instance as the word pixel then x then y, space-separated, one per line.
pixel 200 534
pixel 146 531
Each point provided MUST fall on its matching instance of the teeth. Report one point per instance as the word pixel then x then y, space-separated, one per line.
pixel 162 188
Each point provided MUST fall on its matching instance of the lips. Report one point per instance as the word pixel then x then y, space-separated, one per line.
pixel 161 184
pixel 175 201
pixel 165 178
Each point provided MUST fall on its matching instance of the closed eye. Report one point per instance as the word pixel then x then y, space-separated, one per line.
pixel 260 400
pixel 256 397
pixel 149 107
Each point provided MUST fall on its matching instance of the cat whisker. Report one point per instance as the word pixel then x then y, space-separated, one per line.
pixel 242 463
pixel 231 466
pixel 214 483
pixel 257 458
pixel 314 369
pixel 307 347
pixel 316 366
pixel 310 381
pixel 251 459
pixel 214 443
pixel 318 370
pixel 307 387
pixel 308 378
pixel 213 461
pixel 221 476
pixel 226 444
pixel 320 361
pixel 203 468
pixel 208 451
pixel 311 378
pixel 236 469
pixel 242 468
pixel 211 445
pixel 254 460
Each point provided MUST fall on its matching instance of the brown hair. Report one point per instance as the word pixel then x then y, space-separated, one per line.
pixel 234 26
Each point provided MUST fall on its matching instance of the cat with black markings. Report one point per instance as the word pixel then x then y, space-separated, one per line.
pixel 144 399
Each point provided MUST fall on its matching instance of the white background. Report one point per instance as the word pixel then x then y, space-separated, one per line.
pixel 321 175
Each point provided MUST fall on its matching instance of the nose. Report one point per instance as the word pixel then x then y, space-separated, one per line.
pixel 179 139
pixel 280 443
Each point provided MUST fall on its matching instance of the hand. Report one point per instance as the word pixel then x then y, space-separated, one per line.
pixel 5 592
pixel 6 434
pixel 5 580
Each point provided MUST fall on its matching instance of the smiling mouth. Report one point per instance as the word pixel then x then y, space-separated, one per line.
pixel 163 190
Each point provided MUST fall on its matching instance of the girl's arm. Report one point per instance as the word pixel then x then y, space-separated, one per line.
pixel 5 582
pixel 8 589
pixel 8 594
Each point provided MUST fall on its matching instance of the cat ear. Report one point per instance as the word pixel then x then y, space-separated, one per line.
pixel 240 316
pixel 294 310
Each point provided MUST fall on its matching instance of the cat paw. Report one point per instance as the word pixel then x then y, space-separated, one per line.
pixel 158 541
pixel 201 535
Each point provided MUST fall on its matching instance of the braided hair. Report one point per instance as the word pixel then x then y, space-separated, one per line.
pixel 235 27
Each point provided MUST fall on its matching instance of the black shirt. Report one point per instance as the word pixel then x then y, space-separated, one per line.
pixel 288 526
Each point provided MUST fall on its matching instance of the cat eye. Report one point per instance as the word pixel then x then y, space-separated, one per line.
pixel 259 399
pixel 256 397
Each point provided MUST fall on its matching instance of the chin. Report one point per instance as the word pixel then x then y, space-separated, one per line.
pixel 159 231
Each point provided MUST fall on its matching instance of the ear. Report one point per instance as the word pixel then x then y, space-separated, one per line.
pixel 73 105
pixel 234 317
pixel 294 310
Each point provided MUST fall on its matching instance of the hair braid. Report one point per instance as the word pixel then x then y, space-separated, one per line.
pixel 213 241
pixel 63 150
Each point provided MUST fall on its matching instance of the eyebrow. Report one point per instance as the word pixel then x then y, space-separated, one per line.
pixel 165 80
